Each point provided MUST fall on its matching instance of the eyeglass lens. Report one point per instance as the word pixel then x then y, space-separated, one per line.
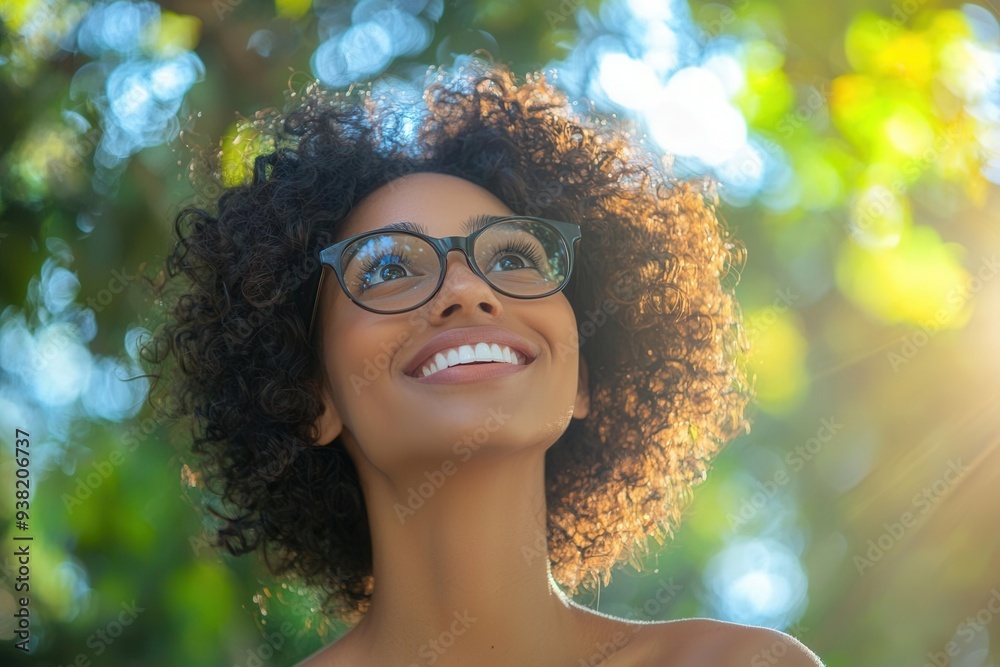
pixel 395 270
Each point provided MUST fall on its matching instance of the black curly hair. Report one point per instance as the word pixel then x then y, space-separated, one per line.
pixel 659 326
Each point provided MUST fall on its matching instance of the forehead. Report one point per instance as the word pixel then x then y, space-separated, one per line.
pixel 440 202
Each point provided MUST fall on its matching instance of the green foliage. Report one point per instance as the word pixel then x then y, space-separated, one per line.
pixel 869 300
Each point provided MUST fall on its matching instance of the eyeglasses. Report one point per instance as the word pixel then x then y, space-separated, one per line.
pixel 395 271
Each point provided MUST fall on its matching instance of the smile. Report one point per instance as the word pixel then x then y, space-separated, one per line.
pixel 481 353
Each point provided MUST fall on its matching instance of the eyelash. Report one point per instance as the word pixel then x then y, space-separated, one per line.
pixel 521 248
pixel 376 262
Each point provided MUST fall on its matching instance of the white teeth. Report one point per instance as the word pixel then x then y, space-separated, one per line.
pixel 483 352
pixel 467 354
pixel 440 361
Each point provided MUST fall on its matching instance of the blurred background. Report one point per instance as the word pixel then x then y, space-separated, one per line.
pixel 857 148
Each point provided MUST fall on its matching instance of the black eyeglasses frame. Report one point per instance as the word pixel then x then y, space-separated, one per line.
pixel 331 257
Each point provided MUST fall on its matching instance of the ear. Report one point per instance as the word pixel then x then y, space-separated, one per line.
pixel 581 408
pixel 329 424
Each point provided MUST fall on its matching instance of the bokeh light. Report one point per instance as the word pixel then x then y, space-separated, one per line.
pixel 856 153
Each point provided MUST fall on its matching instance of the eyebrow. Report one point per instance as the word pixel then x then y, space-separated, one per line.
pixel 474 223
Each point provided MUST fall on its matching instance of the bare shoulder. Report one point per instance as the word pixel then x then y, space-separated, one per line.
pixel 699 642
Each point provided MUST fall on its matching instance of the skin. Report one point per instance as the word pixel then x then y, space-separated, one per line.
pixel 468 568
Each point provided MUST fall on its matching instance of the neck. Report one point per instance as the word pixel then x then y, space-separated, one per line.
pixel 461 565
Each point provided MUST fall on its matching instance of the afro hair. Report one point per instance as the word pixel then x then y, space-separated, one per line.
pixel 659 325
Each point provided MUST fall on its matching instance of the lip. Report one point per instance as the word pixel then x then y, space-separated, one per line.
pixel 471 373
pixel 470 336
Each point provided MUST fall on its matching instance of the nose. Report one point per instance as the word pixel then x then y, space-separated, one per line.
pixel 462 289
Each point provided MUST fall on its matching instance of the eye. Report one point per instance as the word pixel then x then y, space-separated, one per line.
pixel 385 267
pixel 514 255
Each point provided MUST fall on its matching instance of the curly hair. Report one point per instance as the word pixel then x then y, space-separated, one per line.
pixel 659 325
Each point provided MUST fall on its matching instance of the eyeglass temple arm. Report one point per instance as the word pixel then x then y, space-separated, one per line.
pixel 318 281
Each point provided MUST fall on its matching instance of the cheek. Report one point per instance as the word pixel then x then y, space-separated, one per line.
pixel 354 356
pixel 365 353
pixel 354 361
pixel 566 336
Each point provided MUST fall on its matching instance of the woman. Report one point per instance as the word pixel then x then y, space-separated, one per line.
pixel 441 440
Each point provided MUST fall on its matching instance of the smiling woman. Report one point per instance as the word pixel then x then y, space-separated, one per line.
pixel 450 444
